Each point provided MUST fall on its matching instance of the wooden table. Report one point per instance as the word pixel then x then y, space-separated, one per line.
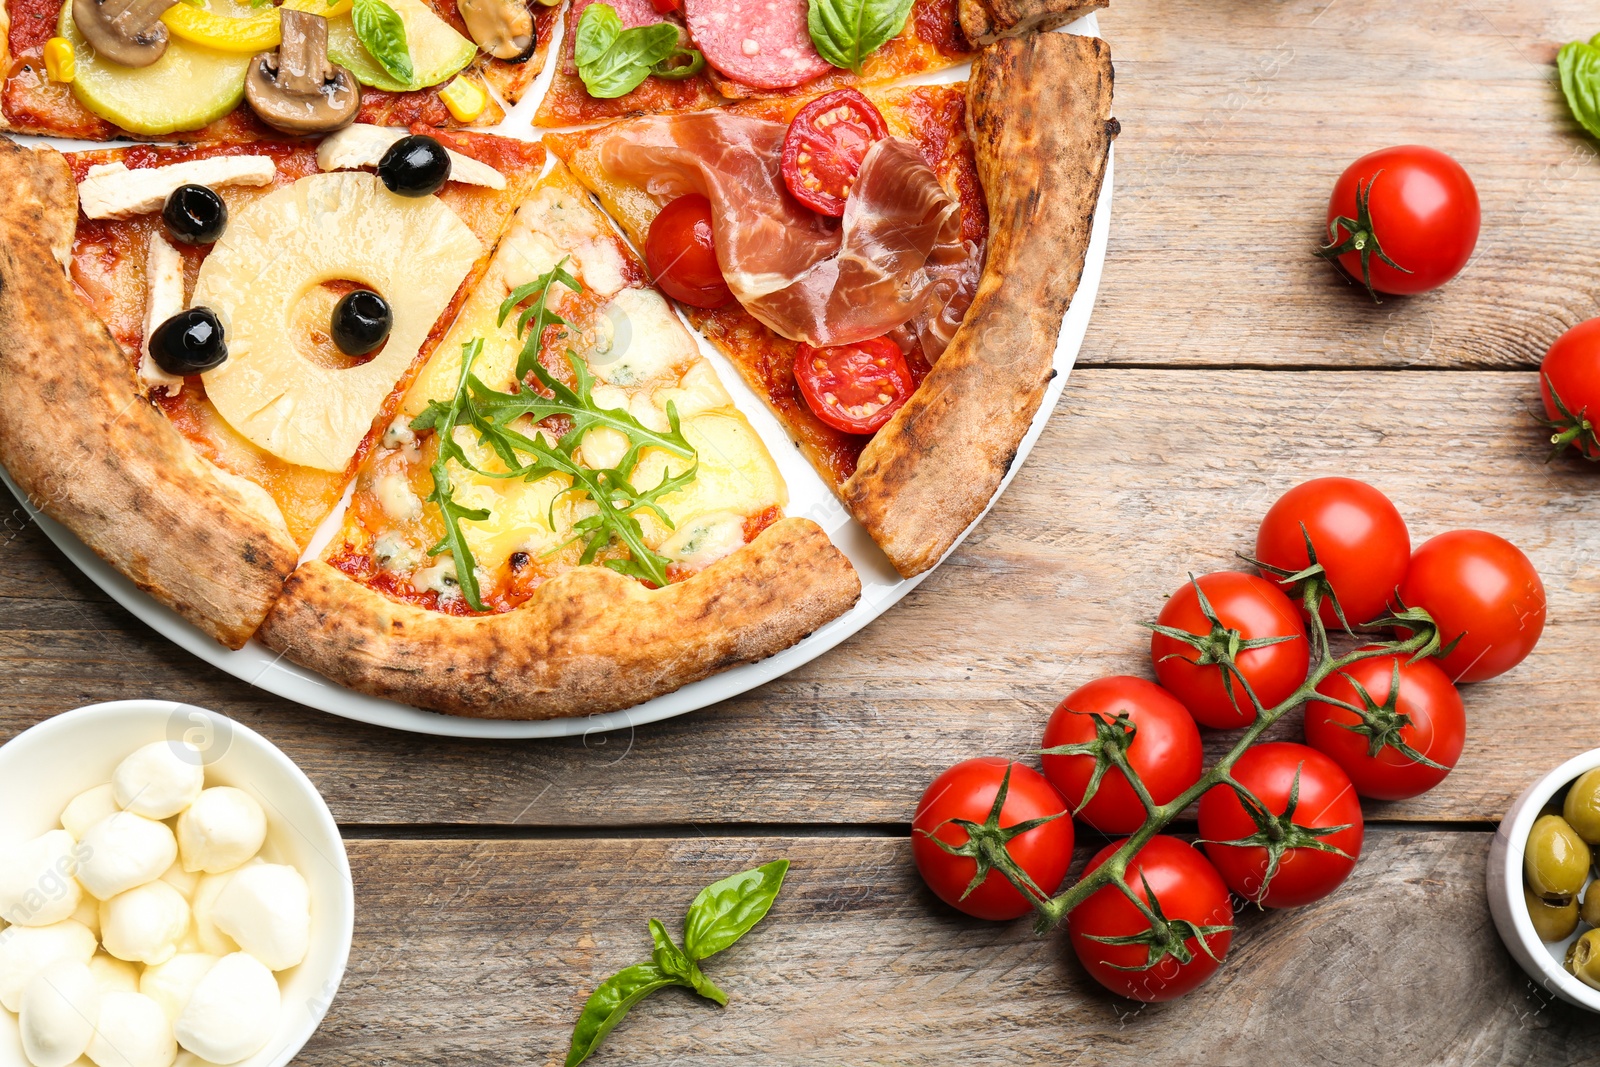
pixel 496 883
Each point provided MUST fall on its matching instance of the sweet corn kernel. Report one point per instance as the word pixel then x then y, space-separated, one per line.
pixel 59 62
pixel 465 98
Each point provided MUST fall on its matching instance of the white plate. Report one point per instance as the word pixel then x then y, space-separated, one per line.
pixel 881 586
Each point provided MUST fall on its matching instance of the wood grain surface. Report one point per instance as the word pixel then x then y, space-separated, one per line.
pixel 496 882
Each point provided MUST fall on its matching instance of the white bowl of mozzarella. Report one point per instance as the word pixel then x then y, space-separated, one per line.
pixel 172 888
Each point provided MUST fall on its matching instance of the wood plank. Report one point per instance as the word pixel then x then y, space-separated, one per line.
pixel 1140 477
pixel 483 952
pixel 1237 118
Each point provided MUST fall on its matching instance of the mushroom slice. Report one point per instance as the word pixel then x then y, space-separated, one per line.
pixel 129 32
pixel 296 89
pixel 503 28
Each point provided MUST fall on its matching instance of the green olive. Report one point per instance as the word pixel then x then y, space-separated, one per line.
pixel 1590 912
pixel 1582 809
pixel 1552 922
pixel 1583 958
pixel 1556 862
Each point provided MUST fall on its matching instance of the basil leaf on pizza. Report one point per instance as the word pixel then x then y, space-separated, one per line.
pixel 846 32
pixel 384 34
pixel 611 60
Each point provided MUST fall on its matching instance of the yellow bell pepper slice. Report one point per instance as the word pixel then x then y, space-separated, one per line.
pixel 321 7
pixel 465 98
pixel 60 64
pixel 224 33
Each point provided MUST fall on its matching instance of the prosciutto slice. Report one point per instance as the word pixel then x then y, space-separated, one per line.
pixel 895 260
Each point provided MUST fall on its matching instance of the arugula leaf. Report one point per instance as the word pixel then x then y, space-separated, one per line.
pixel 442 418
pixel 726 910
pixel 846 32
pixel 383 32
pixel 611 60
pixel 610 1003
pixel 1579 64
pixel 534 319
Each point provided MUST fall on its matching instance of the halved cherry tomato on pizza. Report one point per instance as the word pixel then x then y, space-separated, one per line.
pixel 855 388
pixel 827 141
pixel 681 251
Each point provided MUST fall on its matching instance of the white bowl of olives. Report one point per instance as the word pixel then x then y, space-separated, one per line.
pixel 1542 890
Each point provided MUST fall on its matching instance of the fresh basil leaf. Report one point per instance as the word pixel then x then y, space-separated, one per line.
pixel 612 61
pixel 382 31
pixel 671 959
pixel 846 32
pixel 610 1003
pixel 1579 64
pixel 726 910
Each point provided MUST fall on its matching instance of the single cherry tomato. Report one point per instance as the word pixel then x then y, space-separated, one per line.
pixel 1164 753
pixel 967 791
pixel 1569 378
pixel 1360 540
pixel 1480 588
pixel 666 7
pixel 681 251
pixel 1177 882
pixel 1251 608
pixel 827 141
pixel 855 388
pixel 1324 800
pixel 1426 716
pixel 1403 220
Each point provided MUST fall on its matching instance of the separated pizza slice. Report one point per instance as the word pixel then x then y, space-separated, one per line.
pixel 891 286
pixel 567 513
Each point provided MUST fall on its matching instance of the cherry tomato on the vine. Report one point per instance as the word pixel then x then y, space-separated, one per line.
pixel 967 791
pixel 1483 589
pixel 854 388
pixel 1569 379
pixel 1360 540
pixel 1408 207
pixel 681 251
pixel 1164 753
pixel 1187 893
pixel 1435 725
pixel 826 143
pixel 1323 799
pixel 1255 610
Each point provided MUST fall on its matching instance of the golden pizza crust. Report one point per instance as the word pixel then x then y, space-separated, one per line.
pixel 590 640
pixel 1040 111
pixel 93 454
pixel 986 21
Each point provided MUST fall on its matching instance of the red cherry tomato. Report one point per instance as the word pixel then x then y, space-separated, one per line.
pixel 1571 372
pixel 666 7
pixel 1421 210
pixel 1437 728
pixel 1165 750
pixel 1326 799
pixel 1482 588
pixel 681 252
pixel 1360 540
pixel 827 141
pixel 967 791
pixel 1184 886
pixel 854 388
pixel 1255 608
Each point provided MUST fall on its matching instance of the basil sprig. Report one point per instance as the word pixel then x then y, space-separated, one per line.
pixel 383 32
pixel 723 912
pixel 1579 63
pixel 612 61
pixel 846 32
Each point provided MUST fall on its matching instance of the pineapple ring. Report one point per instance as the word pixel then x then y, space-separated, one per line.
pixel 326 227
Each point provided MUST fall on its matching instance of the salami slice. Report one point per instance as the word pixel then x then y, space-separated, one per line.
pixel 761 43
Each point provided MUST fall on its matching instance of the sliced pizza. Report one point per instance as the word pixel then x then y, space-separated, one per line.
pixel 893 289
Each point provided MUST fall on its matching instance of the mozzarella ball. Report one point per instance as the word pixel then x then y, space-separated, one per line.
pixel 211 939
pixel 171 984
pixel 88 913
pixel 144 925
pixel 122 852
pixel 267 910
pixel 233 1012
pixel 132 1031
pixel 180 879
pixel 88 808
pixel 222 830
pixel 58 1012
pixel 38 883
pixel 159 780
pixel 113 975
pixel 27 950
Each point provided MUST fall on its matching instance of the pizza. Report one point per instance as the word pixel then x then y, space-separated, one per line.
pixel 424 409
